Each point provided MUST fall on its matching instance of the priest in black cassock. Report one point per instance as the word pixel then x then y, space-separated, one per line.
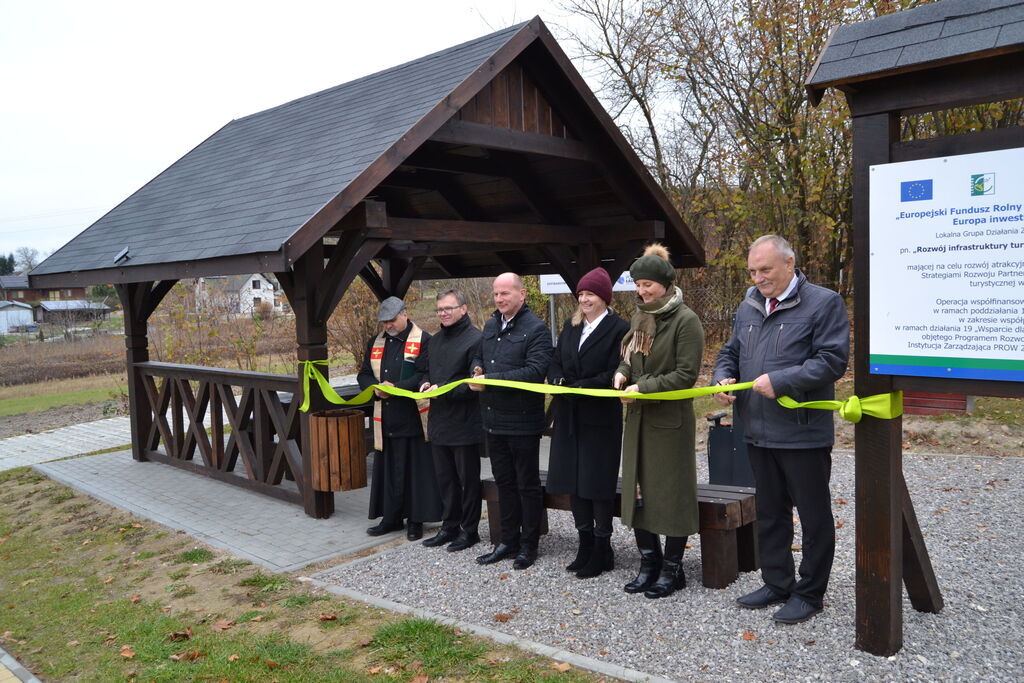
pixel 403 488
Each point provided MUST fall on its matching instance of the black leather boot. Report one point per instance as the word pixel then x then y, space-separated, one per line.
pixel 583 553
pixel 601 560
pixel 672 577
pixel 649 546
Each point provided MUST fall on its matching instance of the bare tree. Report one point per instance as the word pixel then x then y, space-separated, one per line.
pixel 26 258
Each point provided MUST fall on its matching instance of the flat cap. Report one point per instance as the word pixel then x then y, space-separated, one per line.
pixel 390 308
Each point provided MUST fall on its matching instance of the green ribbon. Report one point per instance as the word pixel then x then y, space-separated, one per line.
pixel 885 406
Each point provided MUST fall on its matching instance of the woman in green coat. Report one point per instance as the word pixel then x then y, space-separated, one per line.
pixel 661 352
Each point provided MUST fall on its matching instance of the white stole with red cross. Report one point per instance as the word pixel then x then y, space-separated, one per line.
pixel 413 345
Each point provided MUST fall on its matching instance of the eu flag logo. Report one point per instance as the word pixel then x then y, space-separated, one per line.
pixel 916 190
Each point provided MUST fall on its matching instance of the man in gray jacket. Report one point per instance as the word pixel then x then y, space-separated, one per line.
pixel 791 338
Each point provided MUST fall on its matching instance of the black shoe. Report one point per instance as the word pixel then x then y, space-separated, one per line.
pixel 525 559
pixel 414 531
pixel 583 553
pixel 500 552
pixel 649 546
pixel 761 598
pixel 672 577
pixel 602 559
pixel 384 528
pixel 440 538
pixel 463 541
pixel 795 610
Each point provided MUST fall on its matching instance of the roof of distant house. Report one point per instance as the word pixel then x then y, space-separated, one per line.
pixel 14 304
pixel 73 305
pixel 14 282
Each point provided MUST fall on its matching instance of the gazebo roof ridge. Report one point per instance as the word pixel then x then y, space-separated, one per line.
pixel 924 37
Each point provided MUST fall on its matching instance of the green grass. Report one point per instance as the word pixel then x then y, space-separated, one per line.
pixel 34 404
pixel 194 556
pixel 302 600
pixel 229 566
pixel 437 648
pixel 266 583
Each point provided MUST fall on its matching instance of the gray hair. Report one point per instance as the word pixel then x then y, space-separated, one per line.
pixel 780 244
pixel 460 297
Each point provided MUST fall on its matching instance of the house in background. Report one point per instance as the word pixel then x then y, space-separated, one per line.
pixel 16 288
pixel 239 294
pixel 64 312
pixel 14 316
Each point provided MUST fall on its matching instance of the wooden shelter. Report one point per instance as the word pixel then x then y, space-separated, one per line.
pixel 941 55
pixel 487 157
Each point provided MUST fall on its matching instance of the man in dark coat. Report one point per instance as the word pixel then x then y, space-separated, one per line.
pixel 403 485
pixel 791 338
pixel 515 345
pixel 456 430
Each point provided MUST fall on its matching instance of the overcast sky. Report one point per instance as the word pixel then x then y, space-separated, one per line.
pixel 99 96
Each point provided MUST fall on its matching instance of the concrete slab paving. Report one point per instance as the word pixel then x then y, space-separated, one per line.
pixel 272 533
pixel 30 449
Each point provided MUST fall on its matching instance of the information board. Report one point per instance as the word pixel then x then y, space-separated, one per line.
pixel 947 267
pixel 554 284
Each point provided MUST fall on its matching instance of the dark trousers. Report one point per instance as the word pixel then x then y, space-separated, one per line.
pixel 458 477
pixel 592 515
pixel 515 462
pixel 786 477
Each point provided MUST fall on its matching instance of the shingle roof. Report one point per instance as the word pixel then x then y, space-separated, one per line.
pixel 250 186
pixel 14 282
pixel 913 39
pixel 73 305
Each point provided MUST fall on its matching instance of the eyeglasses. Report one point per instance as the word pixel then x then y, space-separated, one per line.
pixel 447 309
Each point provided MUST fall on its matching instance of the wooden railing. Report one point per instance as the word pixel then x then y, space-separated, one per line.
pixel 248 422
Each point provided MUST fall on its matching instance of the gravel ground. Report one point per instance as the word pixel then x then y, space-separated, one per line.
pixel 966 506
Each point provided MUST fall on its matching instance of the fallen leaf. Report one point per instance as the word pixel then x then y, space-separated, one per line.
pixel 419 678
pixel 186 656
pixel 271 664
pixel 73 643
pixel 502 617
pixel 233 658
pixel 87 541
pixel 841 501
pixel 840 524
pixel 365 642
pixel 561 666
pixel 222 625
pixel 808 643
pixel 135 598
pixel 502 577
pixel 180 635
pixel 166 608
pixel 110 641
pixel 747 635
pixel 108 579
pixel 258 617
pixel 375 669
pixel 603 652
pixel 127 652
pixel 324 616
pixel 136 525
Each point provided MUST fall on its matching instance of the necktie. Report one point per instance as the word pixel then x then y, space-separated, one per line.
pixel 772 303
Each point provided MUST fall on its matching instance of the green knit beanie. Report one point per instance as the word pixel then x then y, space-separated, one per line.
pixel 654 265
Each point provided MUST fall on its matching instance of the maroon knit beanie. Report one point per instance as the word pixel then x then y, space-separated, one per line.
pixel 598 282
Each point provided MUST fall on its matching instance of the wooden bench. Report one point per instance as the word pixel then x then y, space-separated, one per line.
pixel 728 526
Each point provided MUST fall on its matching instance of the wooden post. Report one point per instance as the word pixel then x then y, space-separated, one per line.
pixel 304 293
pixel 878 448
pixel 136 345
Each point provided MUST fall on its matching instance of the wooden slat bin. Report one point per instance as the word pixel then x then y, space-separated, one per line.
pixel 338 443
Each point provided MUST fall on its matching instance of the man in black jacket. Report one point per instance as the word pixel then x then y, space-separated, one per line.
pixel 515 345
pixel 456 431
pixel 403 485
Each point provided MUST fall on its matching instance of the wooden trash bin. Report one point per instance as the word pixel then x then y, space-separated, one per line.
pixel 338 447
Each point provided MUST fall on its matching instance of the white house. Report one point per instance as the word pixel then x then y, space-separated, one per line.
pixel 14 314
pixel 240 294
